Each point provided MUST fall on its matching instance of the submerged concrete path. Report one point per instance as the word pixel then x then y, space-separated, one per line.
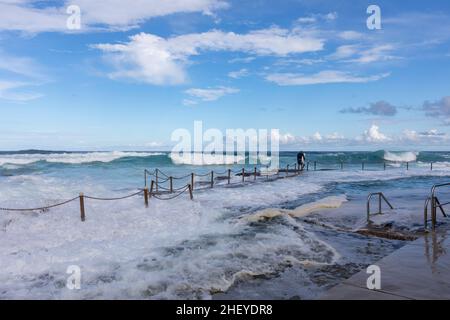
pixel 419 270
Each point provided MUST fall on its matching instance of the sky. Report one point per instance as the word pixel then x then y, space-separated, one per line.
pixel 135 71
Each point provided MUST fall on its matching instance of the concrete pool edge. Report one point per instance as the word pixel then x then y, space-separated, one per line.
pixel 419 270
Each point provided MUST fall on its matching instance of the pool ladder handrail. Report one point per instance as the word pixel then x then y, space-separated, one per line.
pixel 434 204
pixel 380 197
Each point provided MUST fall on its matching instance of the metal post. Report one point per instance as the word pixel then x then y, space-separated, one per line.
pixel 156 178
pixel 315 165
pixel 407 166
pixel 287 170
pixel 152 185
pixel 145 177
pixel 171 184
pixel 379 203
pixel 256 171
pixel 192 181
pixel 384 165
pixel 431 166
pixel 146 197
pixel 190 192
pixel 212 179
pixel 82 212
pixel 307 166
pixel 342 165
pixel 433 211
pixel 368 210
pixel 229 176
pixel 362 166
pixel 243 174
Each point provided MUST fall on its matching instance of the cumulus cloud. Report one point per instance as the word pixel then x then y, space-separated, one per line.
pixel 32 16
pixel 323 77
pixel 439 109
pixel 156 60
pixel 210 94
pixel 380 108
pixel 373 134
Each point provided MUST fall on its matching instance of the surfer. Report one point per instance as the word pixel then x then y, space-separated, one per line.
pixel 301 160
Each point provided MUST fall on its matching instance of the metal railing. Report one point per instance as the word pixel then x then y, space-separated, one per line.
pixel 434 204
pixel 380 197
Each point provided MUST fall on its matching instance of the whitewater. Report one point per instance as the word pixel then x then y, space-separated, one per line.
pixel 289 238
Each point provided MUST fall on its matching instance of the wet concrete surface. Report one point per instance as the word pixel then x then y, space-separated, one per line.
pixel 420 270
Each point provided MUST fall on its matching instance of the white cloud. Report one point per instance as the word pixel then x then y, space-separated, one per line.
pixel 373 134
pixel 323 77
pixel 156 60
pixel 22 73
pixel 344 51
pixel 313 18
pixel 377 53
pixel 238 74
pixel 25 15
pixel 9 91
pixel 350 35
pixel 317 136
pixel 210 94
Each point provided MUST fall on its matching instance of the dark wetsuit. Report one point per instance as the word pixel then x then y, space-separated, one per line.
pixel 301 160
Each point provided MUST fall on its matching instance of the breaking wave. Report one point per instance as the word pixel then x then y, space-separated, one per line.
pixel 70 158
pixel 408 156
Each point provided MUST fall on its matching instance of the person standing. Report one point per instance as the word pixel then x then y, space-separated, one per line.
pixel 301 160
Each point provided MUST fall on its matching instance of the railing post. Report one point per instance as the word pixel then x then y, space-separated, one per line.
pixel 243 174
pixel 342 165
pixel 362 166
pixel 407 166
pixel 368 209
pixel 192 181
pixel 212 179
pixel 152 185
pixel 315 165
pixel 145 177
pixel 255 172
pixel 431 166
pixel 384 166
pixel 379 203
pixel 229 176
pixel 433 211
pixel 156 178
pixel 307 166
pixel 171 184
pixel 287 170
pixel 190 192
pixel 295 168
pixel 146 197
pixel 82 212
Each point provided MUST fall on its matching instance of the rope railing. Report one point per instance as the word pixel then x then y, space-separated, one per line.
pixel 82 197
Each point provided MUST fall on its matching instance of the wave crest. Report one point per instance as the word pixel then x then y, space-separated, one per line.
pixel 71 158
pixel 408 156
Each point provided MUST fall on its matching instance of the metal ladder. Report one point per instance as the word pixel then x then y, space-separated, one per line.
pixel 380 197
pixel 434 203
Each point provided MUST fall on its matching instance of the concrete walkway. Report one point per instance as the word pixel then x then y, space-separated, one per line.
pixel 419 270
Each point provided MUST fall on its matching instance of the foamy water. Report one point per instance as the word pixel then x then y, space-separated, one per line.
pixel 226 238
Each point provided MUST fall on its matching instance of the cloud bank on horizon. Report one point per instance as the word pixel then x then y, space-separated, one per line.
pixel 313 70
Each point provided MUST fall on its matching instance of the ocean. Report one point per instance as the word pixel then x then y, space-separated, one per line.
pixel 282 239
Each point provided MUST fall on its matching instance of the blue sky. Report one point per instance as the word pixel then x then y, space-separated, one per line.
pixel 138 70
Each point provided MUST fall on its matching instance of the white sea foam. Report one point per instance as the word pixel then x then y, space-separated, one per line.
pixel 173 249
pixel 408 156
pixel 301 211
pixel 71 158
pixel 200 159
